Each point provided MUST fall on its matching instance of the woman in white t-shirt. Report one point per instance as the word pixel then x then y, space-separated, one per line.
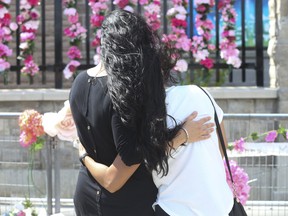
pixel 196 182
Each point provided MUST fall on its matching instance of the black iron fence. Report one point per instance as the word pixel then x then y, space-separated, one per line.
pixel 255 62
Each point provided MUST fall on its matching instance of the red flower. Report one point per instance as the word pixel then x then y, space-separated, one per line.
pixel 176 22
pixel 207 63
pixel 97 20
pixel 33 2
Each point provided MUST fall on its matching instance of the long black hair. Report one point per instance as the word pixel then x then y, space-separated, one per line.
pixel 134 60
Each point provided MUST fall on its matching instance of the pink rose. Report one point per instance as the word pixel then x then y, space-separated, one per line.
pixel 60 124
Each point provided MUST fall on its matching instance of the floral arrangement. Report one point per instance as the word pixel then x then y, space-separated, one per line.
pixel 31 129
pixel 151 12
pixel 201 44
pixel 77 33
pixel 178 39
pixel 33 126
pixel 23 209
pixel 269 136
pixel 228 47
pixel 6 30
pixel 28 21
pixel 98 8
pixel 240 178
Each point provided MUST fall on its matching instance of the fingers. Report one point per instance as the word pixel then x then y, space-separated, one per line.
pixel 192 116
pixel 204 120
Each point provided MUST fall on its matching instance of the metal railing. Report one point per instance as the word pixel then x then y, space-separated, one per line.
pixel 268 173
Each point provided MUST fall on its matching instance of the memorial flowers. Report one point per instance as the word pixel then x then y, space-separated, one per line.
pixel 228 47
pixel 7 28
pixel 28 21
pixel 76 33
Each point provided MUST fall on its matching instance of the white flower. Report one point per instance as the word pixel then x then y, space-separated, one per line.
pixel 171 12
pixel 128 8
pixel 3 11
pixel 235 61
pixel 70 11
pixel 23 45
pixel 181 65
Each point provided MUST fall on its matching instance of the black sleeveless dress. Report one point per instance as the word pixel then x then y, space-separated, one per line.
pixel 104 136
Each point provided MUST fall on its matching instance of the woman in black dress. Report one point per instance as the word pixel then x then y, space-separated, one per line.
pixel 121 121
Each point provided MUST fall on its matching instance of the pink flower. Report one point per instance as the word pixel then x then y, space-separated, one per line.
pixel 239 145
pixel 30 122
pixel 13 26
pixel 30 67
pixel 33 2
pixel 4 65
pixel 74 53
pixel 208 63
pixel 4 50
pixel 60 124
pixel 271 136
pixel 287 135
pixel 27 138
pixel 178 23
pixel 70 68
pixel 181 65
pixel 73 19
pixel 240 178
pixel 121 3
pixel 27 36
pixel 96 20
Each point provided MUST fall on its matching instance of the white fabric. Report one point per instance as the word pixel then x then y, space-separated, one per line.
pixel 196 181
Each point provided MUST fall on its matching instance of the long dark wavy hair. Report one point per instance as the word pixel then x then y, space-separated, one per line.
pixel 135 63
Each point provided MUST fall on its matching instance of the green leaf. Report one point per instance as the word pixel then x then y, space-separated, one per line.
pixel 281 130
pixel 254 136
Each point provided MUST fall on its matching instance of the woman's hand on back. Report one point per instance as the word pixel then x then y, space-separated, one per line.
pixel 198 130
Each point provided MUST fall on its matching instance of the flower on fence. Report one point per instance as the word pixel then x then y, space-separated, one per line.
pixel 269 136
pixel 99 9
pixel 60 124
pixel 28 20
pixel 201 44
pixel 127 5
pixel 77 33
pixel 240 178
pixel 228 47
pixel 7 28
pixel 151 12
pixel 178 39
pixel 31 129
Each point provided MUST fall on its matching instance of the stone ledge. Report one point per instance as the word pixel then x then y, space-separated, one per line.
pixel 63 94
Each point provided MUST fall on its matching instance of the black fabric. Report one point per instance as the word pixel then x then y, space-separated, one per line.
pixel 237 209
pixel 104 136
pixel 160 212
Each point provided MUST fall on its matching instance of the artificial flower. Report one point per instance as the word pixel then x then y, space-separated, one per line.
pixel 271 136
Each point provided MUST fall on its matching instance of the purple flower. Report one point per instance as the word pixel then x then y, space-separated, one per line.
pixel 287 134
pixel 5 51
pixel 271 136
pixel 239 145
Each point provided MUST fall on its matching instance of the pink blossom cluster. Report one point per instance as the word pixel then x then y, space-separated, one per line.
pixel 127 5
pixel 28 20
pixel 99 9
pixel 239 145
pixel 77 33
pixel 240 178
pixel 228 47
pixel 7 27
pixel 201 45
pixel 152 13
pixel 178 38
pixel 31 129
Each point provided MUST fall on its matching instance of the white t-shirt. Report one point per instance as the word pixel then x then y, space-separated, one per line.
pixel 196 182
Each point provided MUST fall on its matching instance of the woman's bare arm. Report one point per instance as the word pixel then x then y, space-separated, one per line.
pixel 113 177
